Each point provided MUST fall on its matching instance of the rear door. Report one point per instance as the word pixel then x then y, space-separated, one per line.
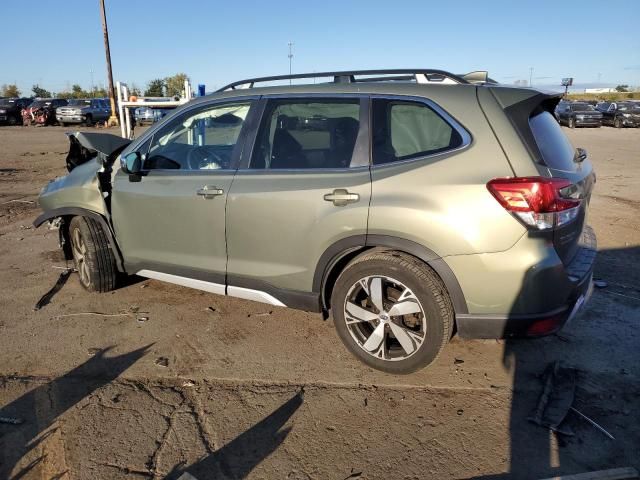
pixel 305 186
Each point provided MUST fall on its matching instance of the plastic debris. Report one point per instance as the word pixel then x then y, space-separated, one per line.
pixel 600 284
pixel 162 361
pixel 11 420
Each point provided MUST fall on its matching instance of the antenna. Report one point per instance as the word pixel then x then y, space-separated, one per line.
pixel 290 58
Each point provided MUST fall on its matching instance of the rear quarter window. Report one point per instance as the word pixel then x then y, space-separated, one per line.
pixel 404 130
pixel 556 149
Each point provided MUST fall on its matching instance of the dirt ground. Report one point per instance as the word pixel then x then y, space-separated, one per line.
pixel 172 380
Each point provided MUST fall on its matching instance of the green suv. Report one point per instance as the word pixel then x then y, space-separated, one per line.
pixel 408 204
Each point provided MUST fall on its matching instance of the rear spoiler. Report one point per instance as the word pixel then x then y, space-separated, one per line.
pixel 87 145
pixel 519 104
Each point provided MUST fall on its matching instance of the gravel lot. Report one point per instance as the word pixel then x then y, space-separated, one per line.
pixel 224 388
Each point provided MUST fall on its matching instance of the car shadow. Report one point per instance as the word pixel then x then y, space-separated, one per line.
pixel 534 451
pixel 241 455
pixel 39 408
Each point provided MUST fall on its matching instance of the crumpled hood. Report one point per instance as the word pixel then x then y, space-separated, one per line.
pixel 87 145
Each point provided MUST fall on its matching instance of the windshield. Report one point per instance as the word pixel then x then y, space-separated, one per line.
pixel 581 107
pixel 628 106
pixel 7 102
pixel 75 102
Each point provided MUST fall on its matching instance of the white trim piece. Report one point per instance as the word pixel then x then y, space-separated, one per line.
pixel 216 288
pixel 255 295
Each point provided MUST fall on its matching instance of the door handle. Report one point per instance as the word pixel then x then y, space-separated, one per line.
pixel 209 191
pixel 341 197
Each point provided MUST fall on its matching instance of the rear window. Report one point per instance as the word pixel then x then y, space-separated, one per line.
pixel 407 130
pixel 557 151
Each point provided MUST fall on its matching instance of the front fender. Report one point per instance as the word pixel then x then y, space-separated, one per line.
pixel 68 212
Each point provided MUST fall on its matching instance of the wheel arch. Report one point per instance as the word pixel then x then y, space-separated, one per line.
pixel 66 213
pixel 340 253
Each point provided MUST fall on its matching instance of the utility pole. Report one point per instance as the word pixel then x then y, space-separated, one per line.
pixel 113 120
pixel 290 58
pixel 92 87
pixel 530 76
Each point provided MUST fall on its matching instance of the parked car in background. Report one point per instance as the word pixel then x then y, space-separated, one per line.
pixel 149 115
pixel 620 114
pixel 578 114
pixel 389 204
pixel 42 111
pixel 11 110
pixel 84 110
pixel 561 105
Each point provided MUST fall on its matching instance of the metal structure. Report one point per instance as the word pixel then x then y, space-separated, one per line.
pixel 112 119
pixel 290 59
pixel 419 75
pixel 125 105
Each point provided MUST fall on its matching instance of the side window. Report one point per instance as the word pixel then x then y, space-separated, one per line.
pixel 305 133
pixel 405 130
pixel 201 139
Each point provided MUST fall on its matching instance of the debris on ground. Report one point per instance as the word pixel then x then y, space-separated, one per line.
pixel 458 361
pixel 556 398
pixel 556 401
pixel 162 361
pixel 600 284
pixel 11 420
pixel 46 298
pixel 593 423
pixel 142 319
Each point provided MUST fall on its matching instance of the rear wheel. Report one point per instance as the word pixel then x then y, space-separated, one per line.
pixel 392 311
pixel 92 256
pixel 572 123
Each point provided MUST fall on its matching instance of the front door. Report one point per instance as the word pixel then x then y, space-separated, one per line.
pixel 171 223
pixel 306 186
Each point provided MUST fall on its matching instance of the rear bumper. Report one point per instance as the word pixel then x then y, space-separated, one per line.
pixel 557 294
pixel 535 325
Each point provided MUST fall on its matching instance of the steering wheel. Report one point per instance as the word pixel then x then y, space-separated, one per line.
pixel 201 158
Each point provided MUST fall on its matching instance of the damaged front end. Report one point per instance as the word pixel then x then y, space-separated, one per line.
pixel 86 190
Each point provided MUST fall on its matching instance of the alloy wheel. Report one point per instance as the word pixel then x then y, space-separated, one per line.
pixel 385 318
pixel 79 250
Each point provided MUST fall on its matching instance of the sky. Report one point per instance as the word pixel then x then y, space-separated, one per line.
pixel 57 44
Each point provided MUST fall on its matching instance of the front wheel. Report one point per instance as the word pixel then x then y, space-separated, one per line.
pixel 88 121
pixel 618 122
pixel 572 123
pixel 92 255
pixel 392 311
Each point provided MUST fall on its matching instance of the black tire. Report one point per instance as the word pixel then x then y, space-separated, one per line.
pixel 618 122
pixel 95 262
pixel 88 120
pixel 428 288
pixel 572 123
pixel 13 121
pixel 62 124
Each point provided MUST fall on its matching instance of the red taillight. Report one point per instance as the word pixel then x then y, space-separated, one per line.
pixel 536 201
pixel 546 326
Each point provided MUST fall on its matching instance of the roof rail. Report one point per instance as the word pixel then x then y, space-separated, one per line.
pixel 420 75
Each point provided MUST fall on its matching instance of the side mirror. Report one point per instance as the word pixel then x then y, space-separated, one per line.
pixel 131 163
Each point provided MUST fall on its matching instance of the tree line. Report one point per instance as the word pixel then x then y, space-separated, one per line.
pixel 159 87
